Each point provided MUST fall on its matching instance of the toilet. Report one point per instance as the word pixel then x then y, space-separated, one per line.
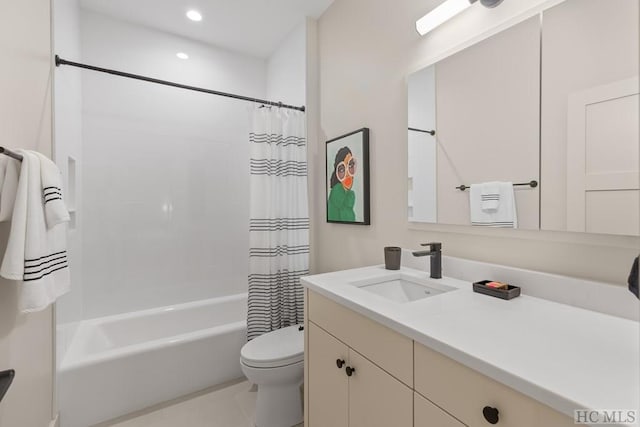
pixel 275 363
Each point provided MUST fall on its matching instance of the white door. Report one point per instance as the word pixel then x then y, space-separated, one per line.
pixel 603 188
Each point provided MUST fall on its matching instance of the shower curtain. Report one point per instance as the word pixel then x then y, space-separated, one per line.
pixel 279 219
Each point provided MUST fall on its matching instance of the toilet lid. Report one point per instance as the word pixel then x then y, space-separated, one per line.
pixel 276 348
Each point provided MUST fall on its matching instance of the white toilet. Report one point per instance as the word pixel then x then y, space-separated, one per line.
pixel 275 363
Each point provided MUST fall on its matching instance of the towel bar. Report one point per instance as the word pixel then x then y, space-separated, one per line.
pixel 532 184
pixel 10 153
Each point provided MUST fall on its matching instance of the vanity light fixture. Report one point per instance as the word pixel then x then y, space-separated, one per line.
pixel 194 15
pixel 446 11
pixel 182 55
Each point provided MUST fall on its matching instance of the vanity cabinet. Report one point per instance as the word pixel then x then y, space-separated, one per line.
pixel 475 399
pixel 347 390
pixel 328 382
pixel 363 374
pixel 386 348
pixel 426 414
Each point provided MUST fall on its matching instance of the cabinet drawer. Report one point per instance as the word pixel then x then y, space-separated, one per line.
pixel 386 348
pixel 464 392
pixel 426 414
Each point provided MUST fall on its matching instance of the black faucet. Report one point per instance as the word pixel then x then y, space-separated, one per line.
pixel 435 252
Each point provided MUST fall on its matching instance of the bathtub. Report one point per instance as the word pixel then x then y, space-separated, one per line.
pixel 119 364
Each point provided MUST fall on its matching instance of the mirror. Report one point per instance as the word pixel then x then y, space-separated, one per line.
pixel 558 108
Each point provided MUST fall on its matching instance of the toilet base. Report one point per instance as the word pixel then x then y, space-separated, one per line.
pixel 279 405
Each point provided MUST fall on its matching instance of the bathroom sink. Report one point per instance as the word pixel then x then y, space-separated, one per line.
pixel 403 288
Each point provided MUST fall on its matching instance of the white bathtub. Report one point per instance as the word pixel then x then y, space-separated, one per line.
pixel 118 364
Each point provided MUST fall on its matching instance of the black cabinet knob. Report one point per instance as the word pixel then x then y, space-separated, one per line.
pixel 491 414
pixel 350 370
pixel 340 363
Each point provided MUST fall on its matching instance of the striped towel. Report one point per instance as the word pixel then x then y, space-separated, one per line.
pixel 504 216
pixel 36 254
pixel 489 196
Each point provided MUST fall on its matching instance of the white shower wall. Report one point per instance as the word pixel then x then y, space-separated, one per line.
pixel 165 171
pixel 68 144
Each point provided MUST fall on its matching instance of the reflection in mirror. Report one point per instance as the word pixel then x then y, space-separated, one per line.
pixel 589 117
pixel 552 99
pixel 487 130
pixel 422 146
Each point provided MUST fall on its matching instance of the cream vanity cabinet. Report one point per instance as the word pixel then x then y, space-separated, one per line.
pixel 362 374
pixel 475 399
pixel 357 377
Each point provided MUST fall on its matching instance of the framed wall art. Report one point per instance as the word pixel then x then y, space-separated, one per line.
pixel 347 178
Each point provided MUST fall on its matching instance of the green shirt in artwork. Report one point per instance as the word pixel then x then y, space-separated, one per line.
pixel 340 204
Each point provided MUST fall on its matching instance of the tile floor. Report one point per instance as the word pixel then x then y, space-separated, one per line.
pixel 232 405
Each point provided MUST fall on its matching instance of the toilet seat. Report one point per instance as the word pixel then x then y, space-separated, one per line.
pixel 274 349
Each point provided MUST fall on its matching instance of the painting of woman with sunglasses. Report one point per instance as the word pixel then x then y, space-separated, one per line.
pixel 342 198
pixel 347 175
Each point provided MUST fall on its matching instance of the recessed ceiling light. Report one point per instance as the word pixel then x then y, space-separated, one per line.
pixel 182 55
pixel 194 15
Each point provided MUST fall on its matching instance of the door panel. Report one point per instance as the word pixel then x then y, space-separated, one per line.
pixel 426 414
pixel 328 385
pixel 376 399
pixel 603 180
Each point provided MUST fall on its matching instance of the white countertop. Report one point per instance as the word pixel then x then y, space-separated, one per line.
pixel 563 356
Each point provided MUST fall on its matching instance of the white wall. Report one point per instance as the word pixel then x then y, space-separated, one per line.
pixel 166 175
pixel 26 340
pixel 68 143
pixel 365 54
pixel 286 75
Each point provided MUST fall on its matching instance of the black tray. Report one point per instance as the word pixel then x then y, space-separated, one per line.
pixel 509 293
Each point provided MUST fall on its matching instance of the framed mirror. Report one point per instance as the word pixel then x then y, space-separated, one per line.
pixel 542 116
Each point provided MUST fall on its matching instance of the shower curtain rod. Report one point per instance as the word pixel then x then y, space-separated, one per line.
pixel 60 61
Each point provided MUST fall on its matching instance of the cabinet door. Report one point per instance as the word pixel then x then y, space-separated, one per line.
pixel 328 385
pixel 426 414
pixel 376 399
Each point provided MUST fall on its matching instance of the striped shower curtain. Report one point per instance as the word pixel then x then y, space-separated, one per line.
pixel 279 219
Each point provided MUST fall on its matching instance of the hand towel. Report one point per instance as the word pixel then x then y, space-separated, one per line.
pixel 55 211
pixel 9 171
pixel 489 195
pixel 504 216
pixel 35 255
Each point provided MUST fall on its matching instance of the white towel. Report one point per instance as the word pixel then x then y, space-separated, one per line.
pixel 35 255
pixel 55 211
pixel 9 171
pixel 489 195
pixel 504 216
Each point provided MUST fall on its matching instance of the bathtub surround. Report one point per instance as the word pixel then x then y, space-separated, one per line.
pixel 67 150
pixel 153 218
pixel 279 223
pixel 126 362
pixel 152 167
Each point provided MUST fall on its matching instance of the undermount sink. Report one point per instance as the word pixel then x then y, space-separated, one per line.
pixel 403 288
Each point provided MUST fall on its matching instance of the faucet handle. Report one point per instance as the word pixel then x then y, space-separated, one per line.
pixel 434 246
